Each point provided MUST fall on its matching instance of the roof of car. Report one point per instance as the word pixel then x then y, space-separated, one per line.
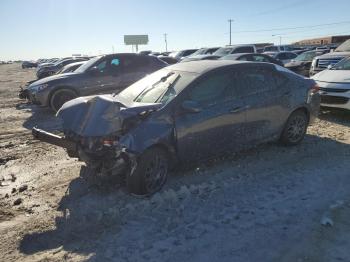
pixel 277 52
pixel 203 66
pixel 75 63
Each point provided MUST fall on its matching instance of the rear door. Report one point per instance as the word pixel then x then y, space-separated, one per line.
pixel 134 68
pixel 218 125
pixel 267 96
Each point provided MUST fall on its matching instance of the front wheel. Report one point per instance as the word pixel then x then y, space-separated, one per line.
pixel 295 128
pixel 60 97
pixel 150 174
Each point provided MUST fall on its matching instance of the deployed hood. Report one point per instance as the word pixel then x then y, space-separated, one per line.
pixel 333 76
pixel 53 77
pixel 101 115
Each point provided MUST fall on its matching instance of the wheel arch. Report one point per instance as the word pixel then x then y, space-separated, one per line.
pixel 53 91
pixel 302 108
pixel 168 149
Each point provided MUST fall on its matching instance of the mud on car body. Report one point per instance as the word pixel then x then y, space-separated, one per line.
pixel 185 113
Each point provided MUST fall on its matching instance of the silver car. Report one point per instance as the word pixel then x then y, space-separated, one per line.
pixel 335 85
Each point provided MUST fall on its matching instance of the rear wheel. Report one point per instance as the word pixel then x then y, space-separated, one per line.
pixel 295 128
pixel 60 97
pixel 150 174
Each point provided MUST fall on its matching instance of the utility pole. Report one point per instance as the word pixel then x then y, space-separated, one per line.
pixel 166 42
pixel 280 37
pixel 230 21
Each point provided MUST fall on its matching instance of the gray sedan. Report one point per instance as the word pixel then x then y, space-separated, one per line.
pixel 184 113
pixel 102 74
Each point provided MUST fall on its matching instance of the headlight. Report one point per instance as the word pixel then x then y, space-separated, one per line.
pixel 38 87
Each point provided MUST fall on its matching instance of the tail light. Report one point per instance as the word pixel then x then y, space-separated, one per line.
pixel 314 89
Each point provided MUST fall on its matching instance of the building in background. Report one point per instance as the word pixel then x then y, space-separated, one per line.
pixel 327 40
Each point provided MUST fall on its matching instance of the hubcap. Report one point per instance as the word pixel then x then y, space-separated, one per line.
pixel 155 173
pixel 296 128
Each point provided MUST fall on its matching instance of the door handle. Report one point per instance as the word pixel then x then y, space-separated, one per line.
pixel 286 93
pixel 239 109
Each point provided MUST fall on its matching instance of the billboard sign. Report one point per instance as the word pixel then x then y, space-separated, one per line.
pixel 136 39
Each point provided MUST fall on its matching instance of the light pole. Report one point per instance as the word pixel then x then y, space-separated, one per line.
pixel 166 42
pixel 280 38
pixel 230 21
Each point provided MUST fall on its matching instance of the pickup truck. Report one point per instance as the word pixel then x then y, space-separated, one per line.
pixel 322 62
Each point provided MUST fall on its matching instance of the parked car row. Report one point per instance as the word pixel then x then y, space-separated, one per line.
pixel 136 116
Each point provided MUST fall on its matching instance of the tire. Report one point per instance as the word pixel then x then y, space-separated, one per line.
pixel 295 128
pixel 61 96
pixel 151 172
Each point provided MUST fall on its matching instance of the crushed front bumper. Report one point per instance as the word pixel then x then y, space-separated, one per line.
pixel 53 139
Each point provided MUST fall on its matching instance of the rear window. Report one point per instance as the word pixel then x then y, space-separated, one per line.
pixel 244 49
pixel 271 49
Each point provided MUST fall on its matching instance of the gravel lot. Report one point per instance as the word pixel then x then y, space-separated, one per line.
pixel 270 203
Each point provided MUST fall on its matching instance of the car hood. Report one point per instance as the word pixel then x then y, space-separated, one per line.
pixel 48 79
pixel 197 57
pixel 100 115
pixel 334 55
pixel 333 76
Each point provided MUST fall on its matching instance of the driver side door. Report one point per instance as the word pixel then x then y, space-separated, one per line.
pixel 218 125
pixel 104 77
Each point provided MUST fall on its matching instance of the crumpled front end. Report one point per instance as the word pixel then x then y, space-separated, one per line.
pixel 94 125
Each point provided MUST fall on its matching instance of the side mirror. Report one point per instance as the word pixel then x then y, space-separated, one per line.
pixel 190 106
pixel 329 66
pixel 94 71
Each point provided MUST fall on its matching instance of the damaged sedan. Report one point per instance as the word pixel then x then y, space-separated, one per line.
pixel 182 114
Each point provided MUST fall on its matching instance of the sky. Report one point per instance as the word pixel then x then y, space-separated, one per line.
pixel 32 29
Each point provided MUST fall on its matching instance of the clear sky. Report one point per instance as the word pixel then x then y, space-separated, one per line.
pixel 32 29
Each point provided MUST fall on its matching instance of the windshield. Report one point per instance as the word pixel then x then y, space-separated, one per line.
pixel 342 65
pixel 159 87
pixel 201 51
pixel 174 54
pixel 223 51
pixel 88 64
pixel 308 56
pixel 344 47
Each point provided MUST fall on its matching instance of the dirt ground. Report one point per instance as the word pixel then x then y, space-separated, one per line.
pixel 271 203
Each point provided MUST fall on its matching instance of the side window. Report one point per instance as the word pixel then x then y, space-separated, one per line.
pixel 212 89
pixel 135 64
pixel 257 81
pixel 114 66
pixel 291 55
pixel 260 58
pixel 282 56
pixel 102 66
pixel 244 58
pixel 244 49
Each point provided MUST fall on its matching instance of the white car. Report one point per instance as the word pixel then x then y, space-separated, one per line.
pixel 334 85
